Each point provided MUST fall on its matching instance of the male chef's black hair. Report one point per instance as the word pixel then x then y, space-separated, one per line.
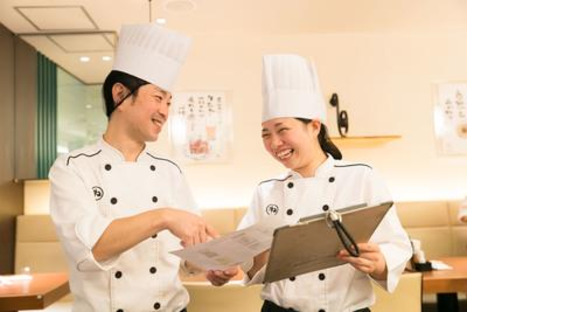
pixel 130 82
pixel 324 140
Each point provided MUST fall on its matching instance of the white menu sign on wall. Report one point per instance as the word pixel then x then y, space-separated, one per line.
pixel 200 125
pixel 450 118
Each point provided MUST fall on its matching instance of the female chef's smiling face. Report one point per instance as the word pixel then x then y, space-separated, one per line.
pixel 293 143
pixel 148 112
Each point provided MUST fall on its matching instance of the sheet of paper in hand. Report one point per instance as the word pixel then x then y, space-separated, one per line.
pixel 231 249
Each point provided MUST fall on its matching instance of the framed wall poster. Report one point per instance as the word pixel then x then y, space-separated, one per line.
pixel 450 118
pixel 201 126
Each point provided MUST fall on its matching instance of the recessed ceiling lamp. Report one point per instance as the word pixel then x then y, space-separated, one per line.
pixel 84 59
pixel 161 21
pixel 106 58
pixel 180 6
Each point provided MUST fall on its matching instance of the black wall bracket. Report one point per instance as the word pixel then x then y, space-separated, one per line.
pixel 341 116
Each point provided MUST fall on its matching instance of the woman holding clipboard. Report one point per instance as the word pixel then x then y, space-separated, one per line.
pixel 294 133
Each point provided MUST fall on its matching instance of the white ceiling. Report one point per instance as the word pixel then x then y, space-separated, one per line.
pixel 64 30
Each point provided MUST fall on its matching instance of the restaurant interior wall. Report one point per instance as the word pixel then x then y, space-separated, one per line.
pixel 11 193
pixel 385 81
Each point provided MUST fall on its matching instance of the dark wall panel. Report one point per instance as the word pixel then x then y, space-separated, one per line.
pixel 46 116
pixel 25 97
pixel 11 193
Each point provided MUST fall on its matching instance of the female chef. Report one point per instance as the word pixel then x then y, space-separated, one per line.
pixel 293 132
pixel 112 202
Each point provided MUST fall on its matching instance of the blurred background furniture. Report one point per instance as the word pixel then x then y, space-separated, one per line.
pixel 433 222
pixel 407 297
pixel 447 284
pixel 34 291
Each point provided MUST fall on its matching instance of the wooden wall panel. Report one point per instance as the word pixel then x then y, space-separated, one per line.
pixel 11 193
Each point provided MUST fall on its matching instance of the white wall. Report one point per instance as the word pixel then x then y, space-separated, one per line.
pixel 384 81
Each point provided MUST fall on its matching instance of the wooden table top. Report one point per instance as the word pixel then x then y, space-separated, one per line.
pixel 40 291
pixel 447 281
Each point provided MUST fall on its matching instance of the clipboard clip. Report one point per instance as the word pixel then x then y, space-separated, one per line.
pixel 334 220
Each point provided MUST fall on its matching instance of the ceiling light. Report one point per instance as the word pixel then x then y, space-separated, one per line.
pixel 62 149
pixel 106 58
pixel 88 106
pixel 84 59
pixel 161 21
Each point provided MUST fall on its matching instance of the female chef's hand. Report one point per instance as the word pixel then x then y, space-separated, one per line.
pixel 260 261
pixel 370 260
pixel 219 277
pixel 190 228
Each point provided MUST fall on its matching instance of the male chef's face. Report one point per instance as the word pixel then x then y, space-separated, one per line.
pixel 291 142
pixel 148 112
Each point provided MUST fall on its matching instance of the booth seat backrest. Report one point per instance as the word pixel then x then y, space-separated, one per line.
pixel 436 225
pixel 37 245
pixel 224 220
pixel 433 222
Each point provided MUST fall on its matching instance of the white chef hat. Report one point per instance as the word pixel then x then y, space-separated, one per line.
pixel 290 88
pixel 152 53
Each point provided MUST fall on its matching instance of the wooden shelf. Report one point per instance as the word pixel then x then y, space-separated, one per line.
pixel 364 141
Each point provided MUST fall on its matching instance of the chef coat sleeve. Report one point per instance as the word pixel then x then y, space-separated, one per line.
pixel 251 217
pixel 76 216
pixel 390 235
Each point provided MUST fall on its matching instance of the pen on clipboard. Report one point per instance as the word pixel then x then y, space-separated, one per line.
pixel 334 220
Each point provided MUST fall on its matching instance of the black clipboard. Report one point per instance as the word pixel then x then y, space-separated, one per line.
pixel 312 244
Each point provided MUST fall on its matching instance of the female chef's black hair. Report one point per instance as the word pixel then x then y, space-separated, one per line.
pixel 324 140
pixel 130 82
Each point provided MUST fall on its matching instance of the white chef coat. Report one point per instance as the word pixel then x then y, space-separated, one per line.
pixel 90 188
pixel 336 184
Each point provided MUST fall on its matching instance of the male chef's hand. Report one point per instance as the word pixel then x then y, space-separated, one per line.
pixel 219 277
pixel 190 228
pixel 370 260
